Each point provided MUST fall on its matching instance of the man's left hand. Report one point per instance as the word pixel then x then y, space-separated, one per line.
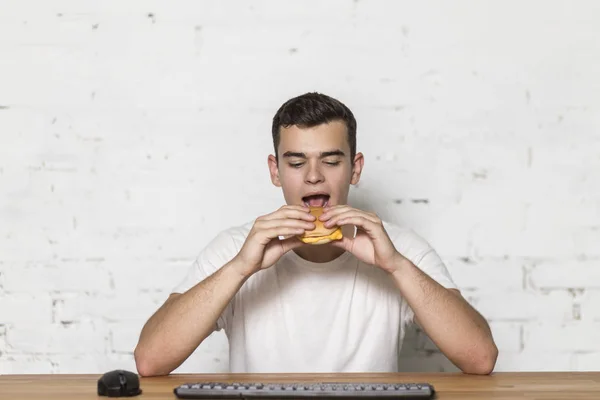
pixel 371 244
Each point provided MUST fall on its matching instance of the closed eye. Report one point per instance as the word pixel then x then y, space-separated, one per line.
pixel 331 163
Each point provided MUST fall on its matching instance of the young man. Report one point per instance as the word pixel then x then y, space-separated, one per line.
pixel 343 306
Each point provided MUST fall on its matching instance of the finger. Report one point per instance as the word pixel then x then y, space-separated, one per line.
pixel 345 209
pixel 290 244
pixel 352 213
pixel 293 213
pixel 334 213
pixel 334 210
pixel 289 223
pixel 297 214
pixel 295 207
pixel 345 244
pixel 285 231
pixel 286 207
pixel 360 221
pixel 334 207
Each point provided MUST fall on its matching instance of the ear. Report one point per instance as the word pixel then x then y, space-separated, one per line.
pixel 357 166
pixel 274 170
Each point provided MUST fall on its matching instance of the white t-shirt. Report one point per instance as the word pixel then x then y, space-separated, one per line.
pixel 299 316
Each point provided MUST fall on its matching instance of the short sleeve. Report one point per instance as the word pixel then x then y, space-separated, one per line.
pixel 422 255
pixel 218 252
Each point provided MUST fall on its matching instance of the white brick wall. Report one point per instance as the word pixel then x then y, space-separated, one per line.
pixel 118 122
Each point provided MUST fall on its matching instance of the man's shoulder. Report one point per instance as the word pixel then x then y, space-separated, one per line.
pixel 232 236
pixel 406 239
pixel 396 231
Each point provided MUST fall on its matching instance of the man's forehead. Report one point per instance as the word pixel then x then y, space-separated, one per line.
pixel 324 137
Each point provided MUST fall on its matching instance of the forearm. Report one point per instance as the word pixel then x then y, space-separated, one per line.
pixel 458 330
pixel 184 321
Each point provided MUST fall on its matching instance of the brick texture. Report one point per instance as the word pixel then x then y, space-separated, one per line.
pixel 130 133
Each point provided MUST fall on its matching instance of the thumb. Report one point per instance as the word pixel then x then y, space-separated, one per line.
pixel 291 243
pixel 345 243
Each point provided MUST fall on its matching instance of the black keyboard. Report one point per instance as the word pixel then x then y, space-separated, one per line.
pixel 339 390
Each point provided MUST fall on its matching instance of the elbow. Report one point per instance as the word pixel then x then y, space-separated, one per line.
pixel 145 365
pixel 484 362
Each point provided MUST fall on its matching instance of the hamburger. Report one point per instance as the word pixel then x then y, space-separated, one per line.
pixel 321 234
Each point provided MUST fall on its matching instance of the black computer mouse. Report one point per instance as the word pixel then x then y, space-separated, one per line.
pixel 119 383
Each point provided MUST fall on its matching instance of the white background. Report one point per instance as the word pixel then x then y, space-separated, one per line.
pixel 132 132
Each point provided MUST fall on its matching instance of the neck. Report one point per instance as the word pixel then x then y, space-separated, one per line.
pixel 319 253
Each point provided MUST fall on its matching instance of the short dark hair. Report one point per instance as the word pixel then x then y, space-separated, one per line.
pixel 312 109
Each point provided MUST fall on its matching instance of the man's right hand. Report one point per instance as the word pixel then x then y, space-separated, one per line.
pixel 263 247
pixel 166 332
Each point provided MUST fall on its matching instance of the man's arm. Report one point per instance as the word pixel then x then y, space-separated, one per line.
pixel 459 331
pixel 179 326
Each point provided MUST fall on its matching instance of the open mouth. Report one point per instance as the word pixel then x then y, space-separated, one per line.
pixel 316 200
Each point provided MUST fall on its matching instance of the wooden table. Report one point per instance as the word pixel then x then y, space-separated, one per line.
pixel 504 386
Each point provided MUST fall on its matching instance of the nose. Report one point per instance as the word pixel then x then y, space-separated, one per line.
pixel 313 174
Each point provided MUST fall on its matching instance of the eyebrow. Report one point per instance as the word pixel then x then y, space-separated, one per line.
pixel 323 154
